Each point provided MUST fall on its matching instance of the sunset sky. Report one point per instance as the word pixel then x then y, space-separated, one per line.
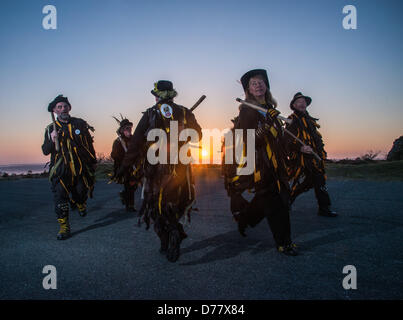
pixel 106 55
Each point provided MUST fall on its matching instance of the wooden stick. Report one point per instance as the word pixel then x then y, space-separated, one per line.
pixel 289 121
pixel 253 106
pixel 122 143
pixel 198 102
pixel 57 145
pixel 300 141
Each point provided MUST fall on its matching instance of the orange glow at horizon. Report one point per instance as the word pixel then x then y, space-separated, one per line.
pixel 23 151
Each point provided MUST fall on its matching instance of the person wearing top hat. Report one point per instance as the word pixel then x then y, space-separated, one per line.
pixel 72 162
pixel 305 170
pixel 269 183
pixel 132 176
pixel 168 188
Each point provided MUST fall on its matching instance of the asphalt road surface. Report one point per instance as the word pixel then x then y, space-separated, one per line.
pixel 109 257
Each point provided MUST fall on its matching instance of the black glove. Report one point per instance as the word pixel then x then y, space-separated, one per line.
pixel 263 129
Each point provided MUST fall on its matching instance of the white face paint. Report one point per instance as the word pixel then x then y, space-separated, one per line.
pixel 166 110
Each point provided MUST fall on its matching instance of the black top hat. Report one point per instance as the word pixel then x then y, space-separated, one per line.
pixel 56 100
pixel 164 89
pixel 252 73
pixel 300 95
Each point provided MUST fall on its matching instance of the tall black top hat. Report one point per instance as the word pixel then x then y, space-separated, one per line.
pixel 252 73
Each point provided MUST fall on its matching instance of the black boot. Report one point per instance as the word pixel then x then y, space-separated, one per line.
pixel 122 196
pixel 242 222
pixel 174 245
pixel 130 200
pixel 162 233
pixel 182 232
pixel 326 212
pixel 288 250
pixel 164 242
pixel 130 208
pixel 239 208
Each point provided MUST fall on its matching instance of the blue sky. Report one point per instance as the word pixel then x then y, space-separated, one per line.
pixel 106 55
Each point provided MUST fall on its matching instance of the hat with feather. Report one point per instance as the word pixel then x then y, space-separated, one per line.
pixel 123 122
pixel 164 89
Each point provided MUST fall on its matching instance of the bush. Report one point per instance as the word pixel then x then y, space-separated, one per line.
pixel 369 156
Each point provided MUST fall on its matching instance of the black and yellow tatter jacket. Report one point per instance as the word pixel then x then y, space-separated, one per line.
pixel 305 128
pixel 270 156
pixel 76 157
pixel 165 182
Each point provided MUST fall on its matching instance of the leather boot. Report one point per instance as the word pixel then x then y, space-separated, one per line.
pixel 64 232
pixel 82 209
pixel 288 250
pixel 326 212
pixel 174 245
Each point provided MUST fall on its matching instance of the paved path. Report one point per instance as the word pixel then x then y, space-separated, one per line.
pixel 109 257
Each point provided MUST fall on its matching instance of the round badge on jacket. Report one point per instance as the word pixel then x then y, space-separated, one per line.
pixel 166 110
pixel 77 131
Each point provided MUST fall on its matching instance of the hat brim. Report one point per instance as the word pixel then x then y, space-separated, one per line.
pixel 253 73
pixel 155 94
pixel 56 100
pixel 308 101
pixel 51 107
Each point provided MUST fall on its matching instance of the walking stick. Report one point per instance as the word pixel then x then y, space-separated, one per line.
pixel 198 102
pixel 57 145
pixel 289 121
pixel 253 106
pixel 122 143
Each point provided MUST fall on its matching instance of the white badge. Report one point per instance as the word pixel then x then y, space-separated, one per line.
pixel 166 110
pixel 77 131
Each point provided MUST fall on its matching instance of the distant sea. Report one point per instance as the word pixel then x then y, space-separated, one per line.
pixel 22 168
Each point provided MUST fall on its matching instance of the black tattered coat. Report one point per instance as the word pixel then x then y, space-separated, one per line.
pixel 76 157
pixel 301 165
pixel 166 183
pixel 270 157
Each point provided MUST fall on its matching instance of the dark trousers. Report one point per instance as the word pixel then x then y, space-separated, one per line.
pixel 272 206
pixel 317 181
pixel 166 223
pixel 128 193
pixel 322 196
pixel 79 194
